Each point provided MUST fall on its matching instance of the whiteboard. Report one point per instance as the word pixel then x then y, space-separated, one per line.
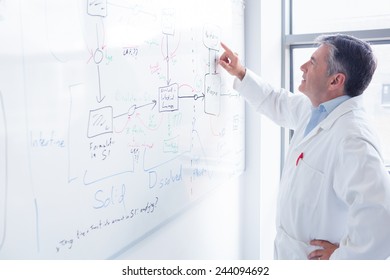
pixel 114 118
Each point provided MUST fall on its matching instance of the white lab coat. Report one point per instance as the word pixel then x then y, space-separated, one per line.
pixel 339 191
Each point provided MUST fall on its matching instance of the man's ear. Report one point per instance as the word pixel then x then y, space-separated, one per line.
pixel 337 81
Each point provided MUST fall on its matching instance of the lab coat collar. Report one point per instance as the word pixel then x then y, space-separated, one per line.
pixel 354 103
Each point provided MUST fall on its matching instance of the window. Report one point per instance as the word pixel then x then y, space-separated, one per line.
pixel 339 15
pixel 377 98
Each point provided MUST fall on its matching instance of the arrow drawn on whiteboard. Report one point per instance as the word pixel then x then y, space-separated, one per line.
pixel 167 55
pixel 167 59
pixel 133 108
pixel 154 102
pixel 99 98
pixel 195 96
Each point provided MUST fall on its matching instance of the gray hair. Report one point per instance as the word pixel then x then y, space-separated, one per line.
pixel 352 57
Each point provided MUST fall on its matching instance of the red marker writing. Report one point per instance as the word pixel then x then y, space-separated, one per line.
pixel 299 158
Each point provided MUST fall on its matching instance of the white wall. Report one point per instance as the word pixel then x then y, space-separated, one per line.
pixel 270 133
pixel 252 176
pixel 263 49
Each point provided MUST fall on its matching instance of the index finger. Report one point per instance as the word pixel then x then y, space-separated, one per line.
pixel 226 48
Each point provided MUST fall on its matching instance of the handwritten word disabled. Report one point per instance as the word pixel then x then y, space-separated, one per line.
pixel 164 180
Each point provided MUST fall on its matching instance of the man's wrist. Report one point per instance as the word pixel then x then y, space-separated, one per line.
pixel 241 74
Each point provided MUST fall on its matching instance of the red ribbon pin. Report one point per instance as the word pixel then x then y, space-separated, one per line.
pixel 299 158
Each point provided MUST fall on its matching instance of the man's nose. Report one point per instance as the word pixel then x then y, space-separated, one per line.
pixel 303 67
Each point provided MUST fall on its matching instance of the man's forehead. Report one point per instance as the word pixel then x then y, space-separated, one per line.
pixel 321 52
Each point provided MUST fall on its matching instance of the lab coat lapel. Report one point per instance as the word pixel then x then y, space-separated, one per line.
pixel 309 136
pixel 347 106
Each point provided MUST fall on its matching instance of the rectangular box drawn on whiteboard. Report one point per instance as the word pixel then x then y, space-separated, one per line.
pixel 100 121
pixel 168 98
pixel 212 93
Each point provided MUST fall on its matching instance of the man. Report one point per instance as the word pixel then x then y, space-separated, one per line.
pixel 334 196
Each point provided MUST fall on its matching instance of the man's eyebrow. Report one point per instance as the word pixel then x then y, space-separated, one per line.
pixel 313 60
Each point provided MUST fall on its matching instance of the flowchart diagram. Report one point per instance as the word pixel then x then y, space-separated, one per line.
pixel 138 119
pixel 103 143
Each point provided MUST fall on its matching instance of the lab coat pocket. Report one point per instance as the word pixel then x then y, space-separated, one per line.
pixel 306 189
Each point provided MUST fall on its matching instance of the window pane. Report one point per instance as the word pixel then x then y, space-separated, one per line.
pixel 376 96
pixel 300 56
pixel 339 15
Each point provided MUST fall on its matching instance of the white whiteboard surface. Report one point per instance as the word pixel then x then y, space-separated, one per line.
pixel 114 118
